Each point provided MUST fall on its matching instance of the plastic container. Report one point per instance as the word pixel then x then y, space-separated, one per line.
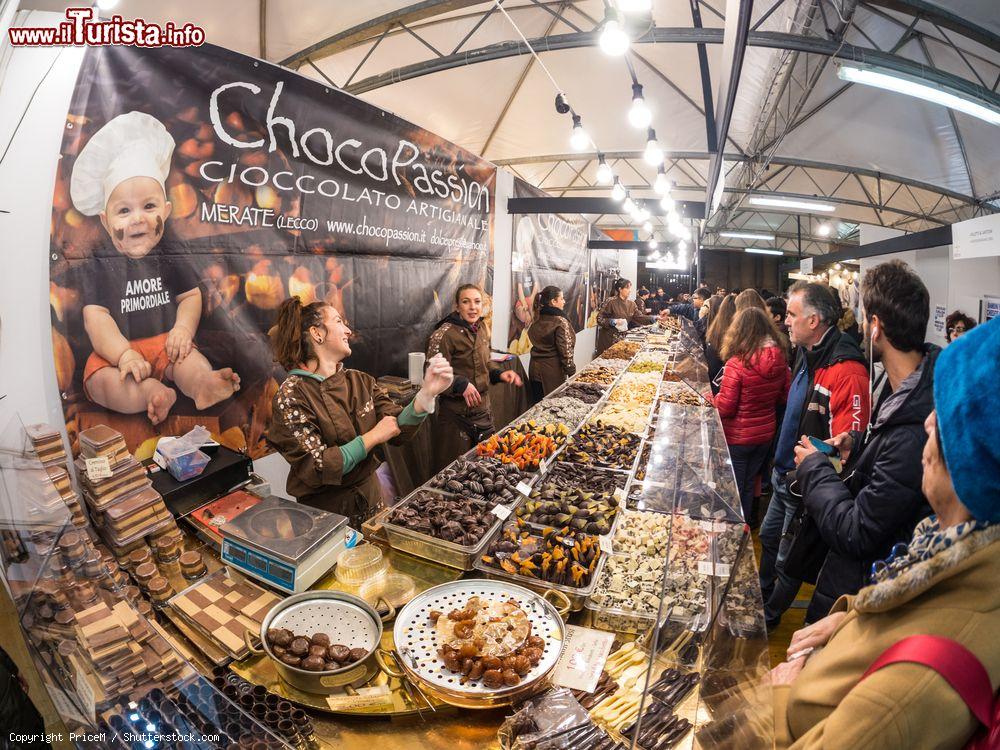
pixel 101 441
pixel 361 564
pixel 395 588
pixel 182 456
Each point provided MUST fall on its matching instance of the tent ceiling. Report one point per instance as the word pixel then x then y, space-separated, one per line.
pixel 458 68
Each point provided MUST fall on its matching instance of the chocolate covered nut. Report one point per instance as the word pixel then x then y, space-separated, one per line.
pixel 279 637
pixel 299 647
pixel 317 650
pixel 331 665
pixel 338 652
pixel 313 664
pixel 357 654
pixel 320 639
pixel 492 678
pixel 291 660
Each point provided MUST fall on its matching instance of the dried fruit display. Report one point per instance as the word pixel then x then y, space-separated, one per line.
pixel 646 365
pixel 562 557
pixel 524 446
pixel 599 444
pixel 622 350
pixel 598 374
pixel 632 419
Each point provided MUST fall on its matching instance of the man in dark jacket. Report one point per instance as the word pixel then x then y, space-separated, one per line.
pixel 828 395
pixel 18 715
pixel 879 502
pixel 691 310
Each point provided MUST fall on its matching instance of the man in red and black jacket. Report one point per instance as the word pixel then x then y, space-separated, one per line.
pixel 828 396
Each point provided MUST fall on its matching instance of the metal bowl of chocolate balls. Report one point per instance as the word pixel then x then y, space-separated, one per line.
pixel 322 641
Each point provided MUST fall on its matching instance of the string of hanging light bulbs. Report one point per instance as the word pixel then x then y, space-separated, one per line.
pixel 614 40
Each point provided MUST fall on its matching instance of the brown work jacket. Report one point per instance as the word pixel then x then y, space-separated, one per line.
pixel 615 307
pixel 553 342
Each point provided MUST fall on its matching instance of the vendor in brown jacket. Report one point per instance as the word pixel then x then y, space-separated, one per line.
pixel 553 342
pixel 618 314
pixel 943 584
pixel 462 339
pixel 327 419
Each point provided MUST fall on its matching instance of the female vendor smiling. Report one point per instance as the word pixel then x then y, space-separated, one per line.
pixel 327 419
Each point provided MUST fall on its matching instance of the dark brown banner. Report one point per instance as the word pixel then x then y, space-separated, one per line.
pixel 198 189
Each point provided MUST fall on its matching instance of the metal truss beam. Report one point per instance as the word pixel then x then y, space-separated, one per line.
pixel 936 13
pixel 764 39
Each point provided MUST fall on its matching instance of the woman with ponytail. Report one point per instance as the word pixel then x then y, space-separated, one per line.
pixel 464 341
pixel 326 419
pixel 553 342
pixel 618 314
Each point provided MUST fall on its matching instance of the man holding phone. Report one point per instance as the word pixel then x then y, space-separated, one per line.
pixel 828 396
pixel 879 502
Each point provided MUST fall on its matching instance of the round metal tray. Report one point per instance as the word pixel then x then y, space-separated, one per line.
pixel 416 642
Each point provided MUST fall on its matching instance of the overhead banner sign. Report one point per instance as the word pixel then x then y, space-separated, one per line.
pixel 976 238
pixel 604 269
pixel 549 249
pixel 197 190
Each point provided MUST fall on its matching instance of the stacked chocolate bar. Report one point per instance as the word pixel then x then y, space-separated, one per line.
pixel 47 444
pixel 124 505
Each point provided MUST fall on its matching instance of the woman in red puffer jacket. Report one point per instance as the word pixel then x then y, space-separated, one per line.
pixel 755 381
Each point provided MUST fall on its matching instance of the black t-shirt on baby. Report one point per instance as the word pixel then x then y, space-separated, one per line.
pixel 141 294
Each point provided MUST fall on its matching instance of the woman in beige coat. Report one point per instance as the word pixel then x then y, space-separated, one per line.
pixel 944 584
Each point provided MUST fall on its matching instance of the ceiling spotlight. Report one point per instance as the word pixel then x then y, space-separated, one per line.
pixel 668 204
pixel 824 229
pixel 629 204
pixel 604 173
pixel 653 153
pixel 562 104
pixel 647 226
pixel 653 244
pixel 635 6
pixel 617 191
pixel 639 115
pixel 614 41
pixel 578 140
pixel 791 203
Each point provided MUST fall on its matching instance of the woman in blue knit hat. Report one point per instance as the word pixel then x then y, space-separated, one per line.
pixel 831 692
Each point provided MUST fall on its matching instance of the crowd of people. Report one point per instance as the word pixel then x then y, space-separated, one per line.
pixel 884 493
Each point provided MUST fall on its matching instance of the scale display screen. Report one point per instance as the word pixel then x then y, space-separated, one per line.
pixel 279 574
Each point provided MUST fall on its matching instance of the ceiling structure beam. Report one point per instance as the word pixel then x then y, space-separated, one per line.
pixel 711 131
pixel 937 14
pixel 687 209
pixel 734 47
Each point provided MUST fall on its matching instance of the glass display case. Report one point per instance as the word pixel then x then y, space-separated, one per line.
pixel 112 671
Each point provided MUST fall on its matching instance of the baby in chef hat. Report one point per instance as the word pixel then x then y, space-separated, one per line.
pixel 141 308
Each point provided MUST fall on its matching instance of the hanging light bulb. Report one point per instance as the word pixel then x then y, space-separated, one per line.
pixel 824 229
pixel 655 255
pixel 604 173
pixel 614 41
pixel 578 140
pixel 639 116
pixel 684 233
pixel 653 153
pixel 653 244
pixel 682 245
pixel 629 204
pixel 617 191
pixel 662 184
pixel 668 204
pixel 636 216
pixel 643 213
pixel 673 218
pixel 647 226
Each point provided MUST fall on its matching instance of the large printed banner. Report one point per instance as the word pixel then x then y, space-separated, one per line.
pixel 604 269
pixel 198 189
pixel 548 249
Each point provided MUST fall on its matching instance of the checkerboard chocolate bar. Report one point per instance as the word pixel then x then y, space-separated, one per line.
pixel 103 441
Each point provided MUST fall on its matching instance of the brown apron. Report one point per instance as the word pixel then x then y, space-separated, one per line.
pixel 460 428
pixel 358 502
pixel 547 373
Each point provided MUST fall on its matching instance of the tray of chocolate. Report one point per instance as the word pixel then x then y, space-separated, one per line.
pixel 222 609
pixel 561 559
pixel 134 516
pixel 478 643
pixel 47 444
pixel 575 508
pixel 598 444
pixel 127 477
pixel 571 476
pixel 450 528
pixel 588 393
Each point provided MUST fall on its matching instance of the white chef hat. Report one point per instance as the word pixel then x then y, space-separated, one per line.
pixel 131 145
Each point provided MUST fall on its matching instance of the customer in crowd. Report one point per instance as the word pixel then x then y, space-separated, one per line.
pixel 957 324
pixel 553 343
pixel 691 310
pixel 714 337
pixel 617 314
pixel 749 298
pixel 755 380
pixel 943 585
pixel 642 300
pixel 778 308
pixel 879 501
pixel 828 396
pixel 848 324
pixel 18 715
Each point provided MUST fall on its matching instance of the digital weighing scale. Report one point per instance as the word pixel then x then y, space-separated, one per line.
pixel 285 544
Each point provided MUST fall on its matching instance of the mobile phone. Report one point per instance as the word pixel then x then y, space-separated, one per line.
pixel 824 448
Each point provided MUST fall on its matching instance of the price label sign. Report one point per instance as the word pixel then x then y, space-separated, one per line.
pixel 604 542
pixel 524 488
pixel 501 511
pixel 583 656
pixel 98 468
pixel 619 493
